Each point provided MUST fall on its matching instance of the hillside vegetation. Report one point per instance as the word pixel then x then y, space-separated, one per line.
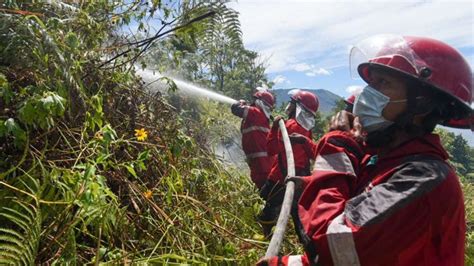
pixel 95 168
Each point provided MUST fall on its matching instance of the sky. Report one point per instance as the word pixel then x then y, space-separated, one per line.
pixel 306 44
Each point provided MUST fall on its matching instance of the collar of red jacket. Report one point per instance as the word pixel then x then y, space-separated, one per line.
pixel 429 144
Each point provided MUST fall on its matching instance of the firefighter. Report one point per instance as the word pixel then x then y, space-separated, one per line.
pixel 301 111
pixel 255 128
pixel 349 103
pixel 406 207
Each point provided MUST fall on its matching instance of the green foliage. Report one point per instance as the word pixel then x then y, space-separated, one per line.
pixel 468 190
pixel 460 153
pixel 320 126
pixel 10 128
pixel 211 53
pixel 40 110
pixel 462 160
pixel 71 166
pixel 20 245
pixel 20 230
pixel 340 105
pixel 6 93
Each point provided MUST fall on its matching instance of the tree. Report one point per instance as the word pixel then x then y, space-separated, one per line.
pixel 461 154
pixel 211 53
pixel 340 105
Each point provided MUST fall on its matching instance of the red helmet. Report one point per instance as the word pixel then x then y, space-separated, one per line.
pixel 266 97
pixel 350 99
pixel 428 61
pixel 308 100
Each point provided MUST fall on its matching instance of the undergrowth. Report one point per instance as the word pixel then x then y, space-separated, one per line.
pixel 94 168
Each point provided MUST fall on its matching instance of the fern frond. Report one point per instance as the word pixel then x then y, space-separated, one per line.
pixel 225 21
pixel 7 257
pixel 14 250
pixel 8 231
pixel 19 237
pixel 11 239
pixel 16 217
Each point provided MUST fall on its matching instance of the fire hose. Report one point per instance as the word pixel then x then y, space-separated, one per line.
pixel 280 229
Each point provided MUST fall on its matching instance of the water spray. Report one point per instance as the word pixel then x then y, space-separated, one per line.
pixel 155 81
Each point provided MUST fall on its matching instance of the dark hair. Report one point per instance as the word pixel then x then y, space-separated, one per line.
pixel 439 106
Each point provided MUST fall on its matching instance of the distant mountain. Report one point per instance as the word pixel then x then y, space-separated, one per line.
pixel 327 99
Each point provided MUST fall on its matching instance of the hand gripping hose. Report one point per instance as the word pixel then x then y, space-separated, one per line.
pixel 279 232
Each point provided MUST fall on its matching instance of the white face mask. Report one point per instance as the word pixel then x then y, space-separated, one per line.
pixel 265 108
pixel 368 106
pixel 304 118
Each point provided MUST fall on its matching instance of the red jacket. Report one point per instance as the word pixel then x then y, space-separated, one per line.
pixel 411 212
pixel 255 128
pixel 300 154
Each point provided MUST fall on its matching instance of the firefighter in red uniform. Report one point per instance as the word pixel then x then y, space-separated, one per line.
pixel 309 145
pixel 255 127
pixel 301 119
pixel 349 103
pixel 405 207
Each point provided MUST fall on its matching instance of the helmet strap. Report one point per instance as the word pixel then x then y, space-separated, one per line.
pixel 415 105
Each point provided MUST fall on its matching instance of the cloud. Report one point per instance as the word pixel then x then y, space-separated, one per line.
pixel 310 70
pixel 318 71
pixel 294 35
pixel 280 79
pixel 301 67
pixel 354 89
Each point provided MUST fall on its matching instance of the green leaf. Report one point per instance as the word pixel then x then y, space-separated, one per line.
pixel 131 170
pixel 54 103
pixel 3 128
pixel 109 133
pixel 40 110
pixel 12 128
pixel 144 155
pixel 102 158
pixel 172 87
pixel 89 172
pixel 71 40
pixel 5 91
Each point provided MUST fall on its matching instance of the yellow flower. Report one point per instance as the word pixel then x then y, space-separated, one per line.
pixel 141 134
pixel 147 194
pixel 99 135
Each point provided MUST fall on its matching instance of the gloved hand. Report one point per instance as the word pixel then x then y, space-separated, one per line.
pixel 300 184
pixel 273 261
pixel 298 180
pixel 267 188
pixel 346 121
pixel 238 108
pixel 276 121
pixel 341 121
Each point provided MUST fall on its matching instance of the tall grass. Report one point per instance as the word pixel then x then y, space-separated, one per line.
pixel 468 190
